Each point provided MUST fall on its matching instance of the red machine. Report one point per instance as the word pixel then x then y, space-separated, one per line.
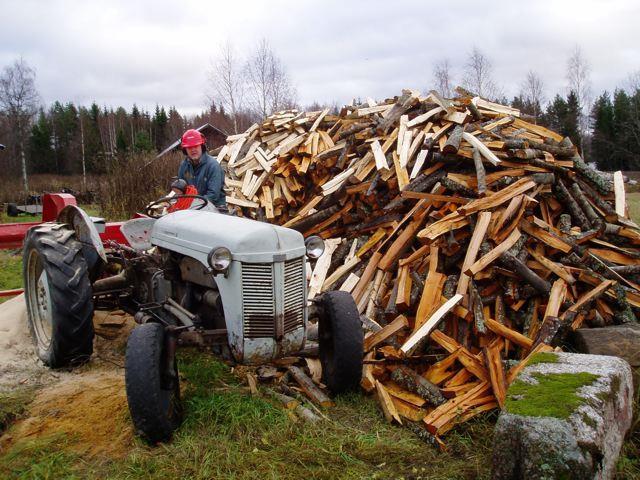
pixel 12 234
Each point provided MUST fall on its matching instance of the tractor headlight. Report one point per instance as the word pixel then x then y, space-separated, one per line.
pixel 219 259
pixel 315 246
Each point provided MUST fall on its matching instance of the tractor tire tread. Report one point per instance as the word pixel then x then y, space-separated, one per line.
pixel 344 368
pixel 70 291
pixel 145 395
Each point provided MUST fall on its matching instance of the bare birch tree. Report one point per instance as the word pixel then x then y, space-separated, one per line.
pixel 532 92
pixel 19 102
pixel 268 85
pixel 579 81
pixel 478 75
pixel 442 78
pixel 225 78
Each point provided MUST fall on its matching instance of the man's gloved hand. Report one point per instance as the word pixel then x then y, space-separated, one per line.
pixel 178 186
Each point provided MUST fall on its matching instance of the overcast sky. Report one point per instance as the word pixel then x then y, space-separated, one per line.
pixel 120 52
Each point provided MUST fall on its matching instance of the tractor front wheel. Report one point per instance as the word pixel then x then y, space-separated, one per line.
pixel 340 340
pixel 153 393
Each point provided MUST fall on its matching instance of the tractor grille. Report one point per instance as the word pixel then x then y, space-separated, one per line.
pixel 258 301
pixel 293 294
pixel 271 292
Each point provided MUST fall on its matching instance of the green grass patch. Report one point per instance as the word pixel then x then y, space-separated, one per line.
pixel 22 218
pixel 42 459
pixel 633 203
pixel 10 270
pixel 543 357
pixel 555 394
pixel 13 405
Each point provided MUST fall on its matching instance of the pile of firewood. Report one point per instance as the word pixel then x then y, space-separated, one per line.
pixel 469 238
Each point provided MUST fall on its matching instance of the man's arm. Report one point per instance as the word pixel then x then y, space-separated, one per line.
pixel 214 186
pixel 181 169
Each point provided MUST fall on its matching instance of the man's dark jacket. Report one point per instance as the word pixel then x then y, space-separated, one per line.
pixel 207 177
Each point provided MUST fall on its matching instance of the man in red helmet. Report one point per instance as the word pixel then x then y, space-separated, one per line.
pixel 202 170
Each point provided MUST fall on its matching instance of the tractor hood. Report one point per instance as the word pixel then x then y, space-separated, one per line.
pixel 196 233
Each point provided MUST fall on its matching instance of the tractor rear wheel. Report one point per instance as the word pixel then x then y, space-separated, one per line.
pixel 340 340
pixel 153 396
pixel 58 295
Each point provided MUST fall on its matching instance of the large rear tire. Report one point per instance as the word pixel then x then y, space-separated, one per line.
pixel 154 399
pixel 58 295
pixel 340 340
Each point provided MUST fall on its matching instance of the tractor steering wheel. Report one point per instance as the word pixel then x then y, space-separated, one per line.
pixel 150 208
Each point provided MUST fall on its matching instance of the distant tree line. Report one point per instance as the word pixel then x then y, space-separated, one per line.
pixel 65 138
pixel 73 139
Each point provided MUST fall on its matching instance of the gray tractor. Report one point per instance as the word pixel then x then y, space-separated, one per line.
pixel 190 278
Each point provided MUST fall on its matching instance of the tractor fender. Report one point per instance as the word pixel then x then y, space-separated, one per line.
pixel 86 231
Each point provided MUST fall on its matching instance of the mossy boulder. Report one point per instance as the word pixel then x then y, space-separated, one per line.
pixel 565 418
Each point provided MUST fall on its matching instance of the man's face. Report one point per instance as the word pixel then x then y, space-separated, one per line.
pixel 194 153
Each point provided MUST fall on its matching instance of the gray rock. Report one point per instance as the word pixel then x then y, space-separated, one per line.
pixel 618 340
pixel 536 440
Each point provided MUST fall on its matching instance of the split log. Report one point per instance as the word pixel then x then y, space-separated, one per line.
pixel 417 384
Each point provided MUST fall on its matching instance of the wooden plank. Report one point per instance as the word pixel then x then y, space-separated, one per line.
pixel 556 297
pixel 487 259
pixel 556 268
pixel 430 298
pixel 319 119
pixel 378 155
pixel 367 275
pixel 349 284
pixel 388 407
pixel 497 375
pixel 621 199
pixel 587 297
pixel 498 198
pixel 397 391
pixel 310 389
pixel 434 197
pixel 482 148
pixel 407 410
pixel 339 272
pixel 387 331
pixel 424 117
pixel 479 232
pixel 415 340
pixel 506 332
pixel 322 266
pixel 545 236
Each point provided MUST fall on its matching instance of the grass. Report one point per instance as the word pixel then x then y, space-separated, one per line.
pixel 633 203
pixel 10 271
pixel 555 394
pixel 227 433
pixel 13 405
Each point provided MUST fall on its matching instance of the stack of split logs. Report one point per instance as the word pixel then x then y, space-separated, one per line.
pixel 469 237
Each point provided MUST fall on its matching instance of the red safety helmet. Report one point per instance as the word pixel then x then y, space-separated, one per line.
pixel 192 138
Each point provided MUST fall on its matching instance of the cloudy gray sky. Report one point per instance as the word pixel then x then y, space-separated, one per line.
pixel 119 52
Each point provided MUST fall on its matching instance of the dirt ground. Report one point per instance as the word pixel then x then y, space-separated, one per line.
pixel 87 406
